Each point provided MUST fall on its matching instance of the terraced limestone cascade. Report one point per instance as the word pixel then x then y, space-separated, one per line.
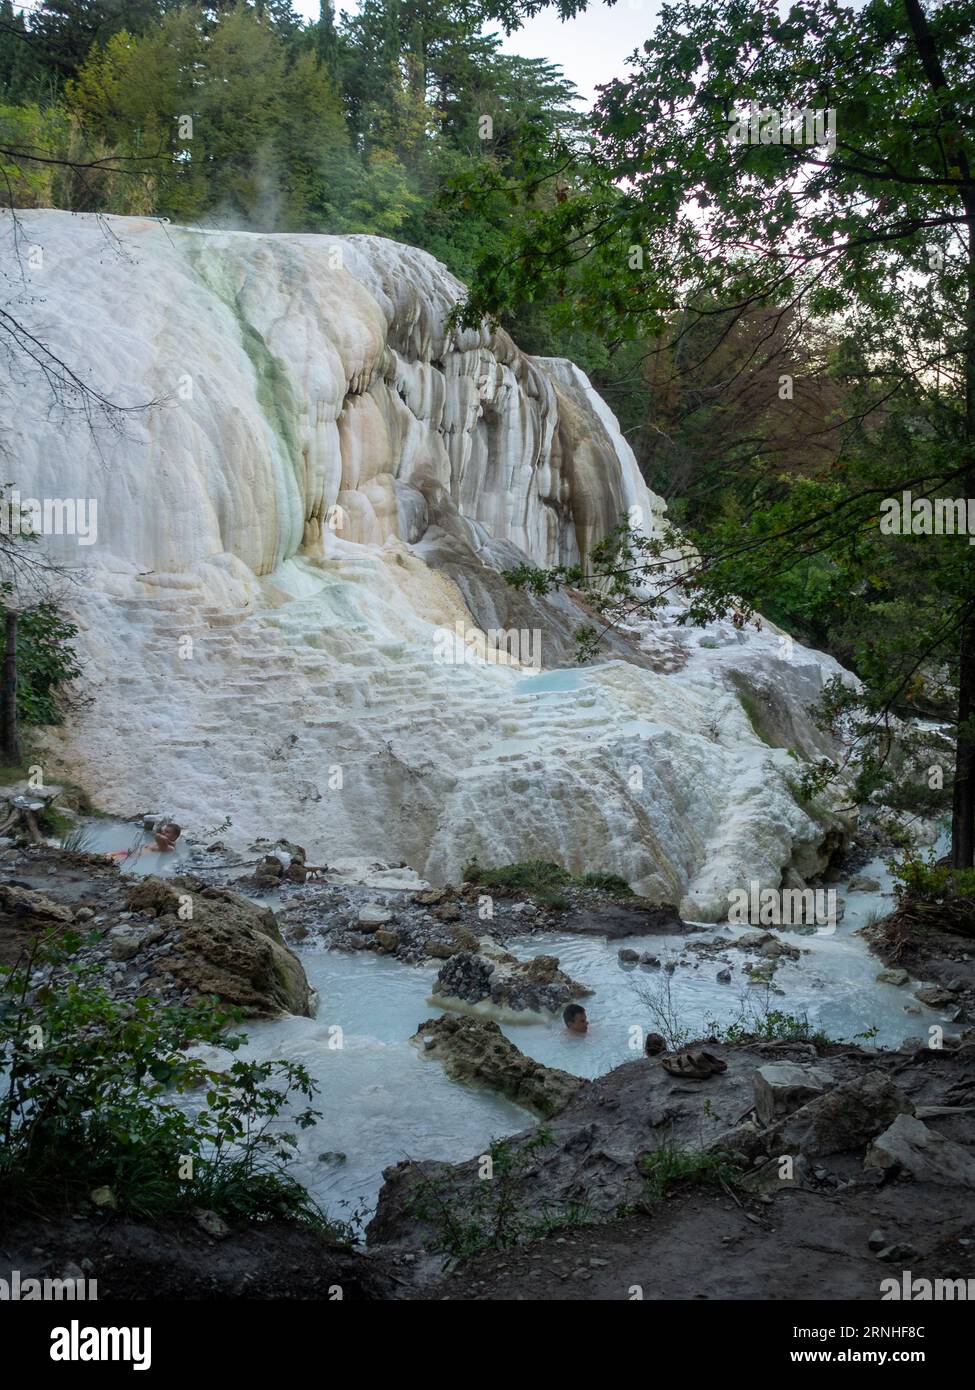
pixel 325 482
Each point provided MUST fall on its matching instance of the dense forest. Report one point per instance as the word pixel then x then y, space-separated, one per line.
pixel 786 331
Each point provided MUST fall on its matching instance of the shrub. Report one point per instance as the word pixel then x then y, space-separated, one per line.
pixel 543 880
pixel 89 1099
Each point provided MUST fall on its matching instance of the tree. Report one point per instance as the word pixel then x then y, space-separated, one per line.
pixel 868 225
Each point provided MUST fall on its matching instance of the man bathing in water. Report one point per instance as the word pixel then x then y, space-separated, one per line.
pixel 574 1018
pixel 165 838
pixel 164 842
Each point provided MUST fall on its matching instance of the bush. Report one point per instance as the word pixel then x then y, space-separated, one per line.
pixel 543 880
pixel 46 661
pixel 930 895
pixel 89 1100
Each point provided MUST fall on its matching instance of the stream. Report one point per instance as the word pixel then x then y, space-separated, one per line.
pixel 382 1101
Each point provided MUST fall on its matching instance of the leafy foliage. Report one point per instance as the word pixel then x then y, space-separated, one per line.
pixel 90 1099
pixel 46 661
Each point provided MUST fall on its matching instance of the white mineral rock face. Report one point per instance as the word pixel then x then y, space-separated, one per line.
pixel 325 484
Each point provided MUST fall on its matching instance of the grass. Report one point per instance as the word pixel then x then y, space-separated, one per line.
pixel 544 881
pixel 669 1167
pixel 494 1213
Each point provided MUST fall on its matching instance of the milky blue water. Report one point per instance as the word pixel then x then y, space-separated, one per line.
pixel 384 1101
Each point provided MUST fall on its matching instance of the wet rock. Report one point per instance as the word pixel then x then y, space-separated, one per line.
pixel 863 883
pixel 373 916
pixel 934 996
pixel 269 870
pixel 877 1241
pixel 650 962
pixel 627 956
pixel 440 950
pixel 492 977
pixel 723 977
pixel 896 975
pixel 784 1087
pixel 752 940
pixel 228 947
pixel 475 1049
pixel 613 920
pixel 909 1146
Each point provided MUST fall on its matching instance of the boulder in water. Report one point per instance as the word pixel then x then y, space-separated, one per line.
pixel 228 947
pixel 491 979
pixel 475 1049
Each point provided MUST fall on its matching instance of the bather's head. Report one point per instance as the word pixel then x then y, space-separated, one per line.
pixel 574 1018
pixel 167 835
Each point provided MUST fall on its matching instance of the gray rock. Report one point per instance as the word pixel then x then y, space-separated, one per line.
pixel 934 996
pixel 372 916
pixel 628 956
pixel 908 1146
pixel 877 1241
pixel 211 1223
pixel 894 976
pixel 897 1253
pixel 842 1120
pixel 782 1087
pixel 474 1049
pixel 863 883
pixel 723 977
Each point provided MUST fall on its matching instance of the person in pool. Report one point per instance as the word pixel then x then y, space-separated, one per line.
pixel 165 838
pixel 574 1018
pixel 163 842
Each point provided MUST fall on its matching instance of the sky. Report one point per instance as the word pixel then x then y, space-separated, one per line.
pixel 590 49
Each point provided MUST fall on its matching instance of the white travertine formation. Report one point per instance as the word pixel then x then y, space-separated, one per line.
pixel 325 479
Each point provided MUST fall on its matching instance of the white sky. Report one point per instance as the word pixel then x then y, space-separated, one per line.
pixel 590 49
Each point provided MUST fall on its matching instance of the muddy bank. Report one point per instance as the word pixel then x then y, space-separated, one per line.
pixel 135 1260
pixel 800 1172
pixel 707 1245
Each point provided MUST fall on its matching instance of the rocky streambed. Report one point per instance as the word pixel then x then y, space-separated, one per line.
pixel 433 1030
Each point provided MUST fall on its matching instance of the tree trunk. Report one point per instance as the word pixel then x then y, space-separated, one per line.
pixel 963 802
pixel 963 799
pixel 9 740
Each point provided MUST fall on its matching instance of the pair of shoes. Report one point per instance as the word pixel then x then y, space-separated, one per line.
pixel 694 1066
